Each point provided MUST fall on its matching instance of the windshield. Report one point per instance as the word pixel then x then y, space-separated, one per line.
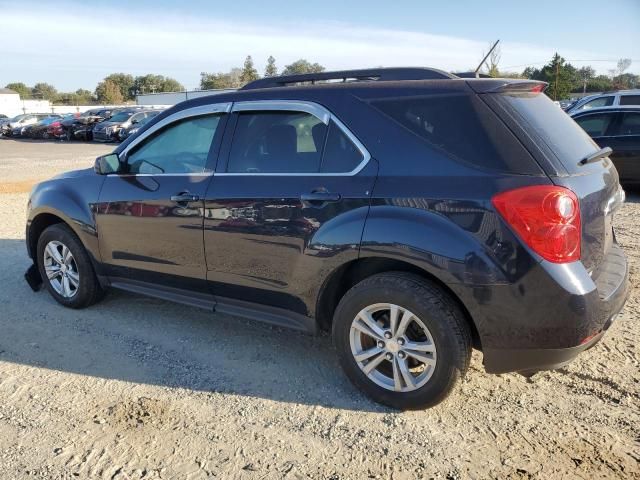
pixel 121 117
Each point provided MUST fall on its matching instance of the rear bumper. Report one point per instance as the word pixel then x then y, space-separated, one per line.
pixel 556 324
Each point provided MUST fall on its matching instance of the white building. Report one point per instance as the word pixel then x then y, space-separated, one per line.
pixel 171 98
pixel 11 104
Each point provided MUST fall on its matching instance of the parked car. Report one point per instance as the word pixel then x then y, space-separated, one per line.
pixel 411 219
pixel 3 116
pixel 15 127
pixel 107 130
pixel 137 121
pixel 40 129
pixel 81 128
pixel 611 99
pixel 56 128
pixel 619 129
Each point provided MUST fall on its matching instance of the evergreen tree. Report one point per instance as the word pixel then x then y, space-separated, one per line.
pixel 271 70
pixel 249 72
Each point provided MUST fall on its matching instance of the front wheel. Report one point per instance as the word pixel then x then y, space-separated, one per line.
pixel 402 340
pixel 66 269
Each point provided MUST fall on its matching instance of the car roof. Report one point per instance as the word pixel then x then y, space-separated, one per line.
pixel 611 108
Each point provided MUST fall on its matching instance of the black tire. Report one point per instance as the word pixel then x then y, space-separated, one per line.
pixel 439 313
pixel 88 290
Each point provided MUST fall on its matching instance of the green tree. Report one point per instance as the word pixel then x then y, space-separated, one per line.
pixel 20 88
pixel 44 91
pixel 271 70
pixel 108 92
pixel 561 76
pixel 249 72
pixel 123 81
pixel 154 83
pixel 302 66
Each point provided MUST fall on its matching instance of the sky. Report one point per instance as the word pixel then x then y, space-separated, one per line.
pixel 74 44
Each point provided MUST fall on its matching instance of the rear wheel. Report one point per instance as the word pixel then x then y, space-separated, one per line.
pixel 66 268
pixel 402 340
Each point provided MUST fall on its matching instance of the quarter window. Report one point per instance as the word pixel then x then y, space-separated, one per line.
pixel 182 147
pixel 277 142
pixel 595 125
pixel 340 154
pixel 629 99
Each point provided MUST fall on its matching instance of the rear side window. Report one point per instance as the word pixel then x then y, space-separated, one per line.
pixel 630 124
pixel 598 102
pixel 277 142
pixel 557 130
pixel 464 128
pixel 595 125
pixel 629 99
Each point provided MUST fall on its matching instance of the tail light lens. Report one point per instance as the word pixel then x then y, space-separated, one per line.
pixel 546 218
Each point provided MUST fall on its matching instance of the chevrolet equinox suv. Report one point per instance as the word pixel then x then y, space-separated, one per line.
pixel 411 213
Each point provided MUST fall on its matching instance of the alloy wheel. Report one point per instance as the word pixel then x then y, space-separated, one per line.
pixel 393 347
pixel 61 269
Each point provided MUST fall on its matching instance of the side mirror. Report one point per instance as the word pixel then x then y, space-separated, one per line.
pixel 134 121
pixel 107 164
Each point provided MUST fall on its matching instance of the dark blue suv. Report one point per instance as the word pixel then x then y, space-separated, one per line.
pixel 411 213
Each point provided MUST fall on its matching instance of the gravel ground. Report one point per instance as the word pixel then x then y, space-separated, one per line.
pixel 141 388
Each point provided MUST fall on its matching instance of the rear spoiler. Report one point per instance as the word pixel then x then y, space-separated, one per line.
pixel 502 85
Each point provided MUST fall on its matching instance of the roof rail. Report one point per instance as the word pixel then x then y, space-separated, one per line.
pixel 377 74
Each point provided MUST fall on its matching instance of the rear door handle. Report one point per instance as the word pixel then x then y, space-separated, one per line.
pixel 184 197
pixel 320 198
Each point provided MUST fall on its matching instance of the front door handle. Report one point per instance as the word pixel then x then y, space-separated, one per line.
pixel 185 197
pixel 319 198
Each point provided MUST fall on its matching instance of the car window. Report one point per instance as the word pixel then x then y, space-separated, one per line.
pixel 462 127
pixel 630 124
pixel 598 102
pixel 276 142
pixel 340 153
pixel 182 147
pixel 629 99
pixel 595 125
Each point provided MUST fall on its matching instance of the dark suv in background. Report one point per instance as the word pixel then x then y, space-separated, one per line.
pixel 411 213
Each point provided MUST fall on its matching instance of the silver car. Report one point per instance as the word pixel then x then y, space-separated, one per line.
pixel 611 99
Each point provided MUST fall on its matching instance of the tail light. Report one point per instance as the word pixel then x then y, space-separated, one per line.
pixel 546 218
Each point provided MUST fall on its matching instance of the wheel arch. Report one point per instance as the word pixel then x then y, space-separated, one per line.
pixel 353 272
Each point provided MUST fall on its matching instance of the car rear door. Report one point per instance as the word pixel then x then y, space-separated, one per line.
pixel 287 204
pixel 624 139
pixel 149 217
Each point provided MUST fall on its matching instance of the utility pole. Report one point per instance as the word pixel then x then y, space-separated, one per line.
pixel 555 85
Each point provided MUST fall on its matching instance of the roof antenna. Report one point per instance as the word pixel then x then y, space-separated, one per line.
pixel 485 58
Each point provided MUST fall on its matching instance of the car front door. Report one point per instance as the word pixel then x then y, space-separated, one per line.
pixel 150 216
pixel 287 204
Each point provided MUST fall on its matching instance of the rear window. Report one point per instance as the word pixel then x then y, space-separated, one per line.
pixel 464 128
pixel 543 118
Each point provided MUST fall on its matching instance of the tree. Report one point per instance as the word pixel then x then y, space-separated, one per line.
pixel 302 66
pixel 20 88
pixel 109 92
pixel 271 70
pixel 620 79
pixel 154 83
pixel 216 81
pixel 123 81
pixel 249 72
pixel 44 91
pixel 562 77
pixel 585 74
pixel 491 63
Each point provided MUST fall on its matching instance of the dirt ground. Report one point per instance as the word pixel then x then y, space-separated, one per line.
pixel 140 388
